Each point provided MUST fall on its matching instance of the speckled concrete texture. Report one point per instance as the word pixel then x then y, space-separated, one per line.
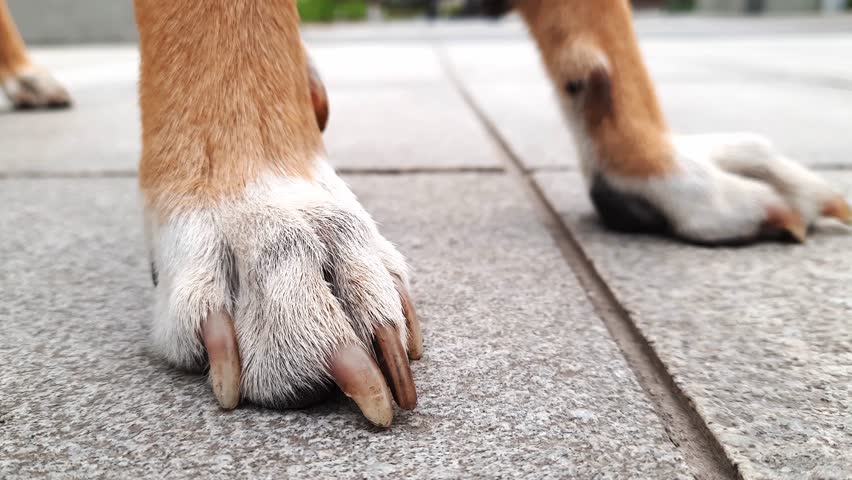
pixel 520 379
pixel 759 337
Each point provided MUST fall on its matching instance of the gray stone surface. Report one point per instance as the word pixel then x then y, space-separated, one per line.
pixel 406 127
pixel 519 61
pixel 800 101
pixel 802 120
pixel 401 113
pixel 74 21
pixel 759 337
pixel 801 55
pixel 100 134
pixel 376 64
pixel 528 118
pixel 520 379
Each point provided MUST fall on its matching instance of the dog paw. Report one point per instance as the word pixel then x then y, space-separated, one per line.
pixel 725 189
pixel 285 292
pixel 34 87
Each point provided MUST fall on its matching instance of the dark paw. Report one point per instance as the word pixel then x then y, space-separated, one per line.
pixel 624 212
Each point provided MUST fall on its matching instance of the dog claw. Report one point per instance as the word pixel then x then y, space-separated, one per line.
pixel 798 231
pixel 838 208
pixel 789 221
pixel 415 336
pixel 358 376
pixel 220 340
pixel 394 364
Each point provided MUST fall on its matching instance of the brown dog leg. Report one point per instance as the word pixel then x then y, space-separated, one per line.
pixel 708 189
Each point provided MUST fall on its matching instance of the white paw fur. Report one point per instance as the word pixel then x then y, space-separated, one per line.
pixel 34 87
pixel 702 201
pixel 300 266
pixel 724 187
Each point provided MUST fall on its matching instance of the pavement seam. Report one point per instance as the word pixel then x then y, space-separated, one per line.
pixel 350 171
pixel 419 170
pixel 36 175
pixel 685 427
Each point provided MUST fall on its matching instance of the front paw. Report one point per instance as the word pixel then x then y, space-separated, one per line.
pixel 723 189
pixel 285 292
pixel 34 87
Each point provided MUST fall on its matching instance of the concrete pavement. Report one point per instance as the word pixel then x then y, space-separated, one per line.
pixel 555 349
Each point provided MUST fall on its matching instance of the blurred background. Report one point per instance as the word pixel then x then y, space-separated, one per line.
pixel 64 21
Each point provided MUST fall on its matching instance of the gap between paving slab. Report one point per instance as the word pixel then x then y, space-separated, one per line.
pixel 519 380
pixel 686 429
pixel 30 174
pixel 757 337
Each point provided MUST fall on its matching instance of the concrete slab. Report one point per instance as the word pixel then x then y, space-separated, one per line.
pixel 528 118
pixel 99 134
pixel 509 83
pixel 60 21
pixel 803 121
pixel 518 61
pixel 405 128
pixel 373 64
pixel 698 96
pixel 392 107
pixel 520 379
pixel 807 57
pixel 757 337
pixel 393 121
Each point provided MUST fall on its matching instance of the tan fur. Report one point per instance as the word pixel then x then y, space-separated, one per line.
pixel 13 52
pixel 225 98
pixel 594 41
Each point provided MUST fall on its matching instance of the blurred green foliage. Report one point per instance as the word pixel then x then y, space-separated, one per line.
pixel 679 5
pixel 330 10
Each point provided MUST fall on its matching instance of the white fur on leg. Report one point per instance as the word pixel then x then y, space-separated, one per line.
pixel 721 188
pixel 753 156
pixel 300 266
pixel 704 203
pixel 191 261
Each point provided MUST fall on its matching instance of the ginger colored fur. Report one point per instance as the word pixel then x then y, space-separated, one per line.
pixel 594 42
pixel 13 53
pixel 225 98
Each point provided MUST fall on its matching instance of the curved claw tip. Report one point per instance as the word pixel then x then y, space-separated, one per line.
pixel 415 336
pixel 799 232
pixel 838 208
pixel 220 340
pixel 790 222
pixel 358 376
pixel 394 364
